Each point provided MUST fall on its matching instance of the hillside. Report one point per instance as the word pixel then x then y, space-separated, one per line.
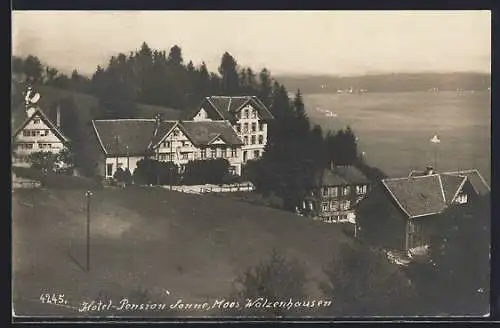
pixel 402 82
pixel 153 239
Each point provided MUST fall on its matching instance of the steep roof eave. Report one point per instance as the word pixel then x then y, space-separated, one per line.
pixel 395 198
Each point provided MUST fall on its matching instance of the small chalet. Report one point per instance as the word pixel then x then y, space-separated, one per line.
pixel 37 133
pixel 334 193
pixel 402 211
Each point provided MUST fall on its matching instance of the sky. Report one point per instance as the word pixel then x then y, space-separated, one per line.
pixel 285 42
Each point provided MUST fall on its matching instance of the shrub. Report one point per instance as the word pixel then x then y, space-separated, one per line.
pixel 277 279
pixel 153 172
pixel 212 171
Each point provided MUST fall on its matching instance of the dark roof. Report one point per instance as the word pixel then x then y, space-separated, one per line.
pixel 451 184
pixel 339 175
pixel 163 129
pixel 115 135
pixel 38 111
pixel 421 195
pixel 202 133
pixel 475 178
pixel 417 196
pixel 225 107
pixel 140 135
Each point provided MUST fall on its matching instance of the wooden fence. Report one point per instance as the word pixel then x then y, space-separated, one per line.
pixel 203 189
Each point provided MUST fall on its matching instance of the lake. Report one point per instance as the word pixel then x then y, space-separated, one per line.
pixel 394 129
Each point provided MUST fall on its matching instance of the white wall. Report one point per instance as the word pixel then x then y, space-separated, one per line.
pixel 131 163
pixel 39 141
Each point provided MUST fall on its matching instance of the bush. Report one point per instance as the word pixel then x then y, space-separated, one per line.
pixel 153 172
pixel 363 283
pixel 277 279
pixel 211 171
pixel 46 161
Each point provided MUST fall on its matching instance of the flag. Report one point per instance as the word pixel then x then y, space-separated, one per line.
pixel 435 139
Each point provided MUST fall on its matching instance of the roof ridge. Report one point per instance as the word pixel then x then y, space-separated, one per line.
pixel 411 177
pixel 123 119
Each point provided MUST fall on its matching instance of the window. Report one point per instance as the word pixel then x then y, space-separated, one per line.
pixel 333 191
pixel 166 144
pixel 246 113
pixel 232 169
pixel 324 206
pixel 461 199
pixel 238 128
pixel 203 153
pixel 233 152
pixel 176 133
pixel 109 170
pixel 311 205
pixel 261 140
pixel 324 191
pixel 163 157
pixel 360 190
pixel 213 153
pixel 346 190
pixel 244 156
pixel 253 140
pixel 33 133
pixel 254 127
pixel 256 154
pixel 334 205
pixel 26 133
pixel 245 127
pixel 261 127
pixel 185 155
pixel 36 121
pixel 344 205
pixel 245 140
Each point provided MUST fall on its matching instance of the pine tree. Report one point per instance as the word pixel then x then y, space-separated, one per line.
pixel 228 71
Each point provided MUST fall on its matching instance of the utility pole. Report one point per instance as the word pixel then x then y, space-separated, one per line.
pixel 88 195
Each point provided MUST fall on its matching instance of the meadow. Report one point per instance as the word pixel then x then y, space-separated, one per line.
pixel 394 129
pixel 163 244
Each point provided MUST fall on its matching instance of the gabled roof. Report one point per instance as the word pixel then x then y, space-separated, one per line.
pixel 116 135
pixel 202 133
pixel 421 195
pixel 226 107
pixel 120 137
pixel 417 196
pixel 475 178
pixel 338 176
pixel 46 120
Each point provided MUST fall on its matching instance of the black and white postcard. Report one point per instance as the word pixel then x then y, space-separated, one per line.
pixel 254 164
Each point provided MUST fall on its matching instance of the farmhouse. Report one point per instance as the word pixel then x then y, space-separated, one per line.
pixel 124 142
pixel 234 128
pixel 402 211
pixel 334 193
pixel 37 133
pixel 247 115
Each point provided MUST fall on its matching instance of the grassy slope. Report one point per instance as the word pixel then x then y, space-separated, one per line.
pixel 192 245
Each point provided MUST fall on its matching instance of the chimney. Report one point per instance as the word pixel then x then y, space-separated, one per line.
pixel 58 116
pixel 332 166
pixel 429 170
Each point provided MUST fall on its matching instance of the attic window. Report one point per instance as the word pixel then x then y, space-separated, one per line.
pixel 36 120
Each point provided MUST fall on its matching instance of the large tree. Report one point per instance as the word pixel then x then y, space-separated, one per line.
pixel 456 279
pixel 228 70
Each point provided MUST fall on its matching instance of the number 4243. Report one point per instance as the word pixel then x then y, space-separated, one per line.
pixel 53 298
